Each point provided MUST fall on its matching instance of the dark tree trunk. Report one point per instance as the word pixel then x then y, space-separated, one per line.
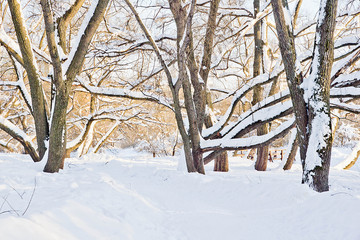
pixel 291 156
pixel 37 97
pixel 57 143
pixel 312 110
pixel 221 162
pixel 179 14
pixel 262 152
pixel 316 172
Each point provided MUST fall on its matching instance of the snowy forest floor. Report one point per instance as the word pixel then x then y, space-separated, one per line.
pixel 128 195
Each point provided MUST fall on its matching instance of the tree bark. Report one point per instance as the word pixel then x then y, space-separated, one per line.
pixel 184 34
pixel 312 108
pixel 262 152
pixel 57 143
pixel 291 155
pixel 178 12
pixel 64 21
pixel 316 172
pixel 36 90
pixel 221 162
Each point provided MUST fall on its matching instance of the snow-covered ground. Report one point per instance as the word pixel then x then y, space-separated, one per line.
pixel 128 195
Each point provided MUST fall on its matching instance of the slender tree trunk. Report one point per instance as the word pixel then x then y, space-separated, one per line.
pixel 199 95
pixel 183 24
pixel 57 143
pixel 294 76
pixel 179 14
pixel 37 97
pixel 262 152
pixel 221 162
pixel 291 154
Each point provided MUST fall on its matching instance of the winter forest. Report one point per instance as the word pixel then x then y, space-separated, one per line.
pixel 180 119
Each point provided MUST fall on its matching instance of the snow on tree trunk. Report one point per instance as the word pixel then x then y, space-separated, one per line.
pixel 317 93
pixel 221 162
pixel 310 97
pixel 65 74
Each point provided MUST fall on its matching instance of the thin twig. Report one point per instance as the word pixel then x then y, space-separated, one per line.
pixel 3 202
pixel 32 195
pixel 20 195
pixel 12 209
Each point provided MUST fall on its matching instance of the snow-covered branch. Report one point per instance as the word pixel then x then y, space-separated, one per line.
pixel 353 108
pixel 249 142
pixel 238 95
pixel 124 93
pixel 20 136
pixel 256 118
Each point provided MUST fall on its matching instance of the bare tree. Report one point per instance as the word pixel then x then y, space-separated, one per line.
pixel 312 102
pixel 214 47
pixel 64 73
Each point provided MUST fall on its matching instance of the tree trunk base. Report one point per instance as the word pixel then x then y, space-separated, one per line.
pixel 221 163
pixel 262 158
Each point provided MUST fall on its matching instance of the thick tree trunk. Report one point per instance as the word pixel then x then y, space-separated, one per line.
pixel 221 163
pixel 312 108
pixel 57 143
pixel 317 162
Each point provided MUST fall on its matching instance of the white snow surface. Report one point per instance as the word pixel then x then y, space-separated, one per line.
pixel 128 195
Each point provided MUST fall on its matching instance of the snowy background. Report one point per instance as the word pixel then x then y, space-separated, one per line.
pixel 128 195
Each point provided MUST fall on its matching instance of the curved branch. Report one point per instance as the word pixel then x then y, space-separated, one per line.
pixel 124 93
pixel 20 136
pixel 257 81
pixel 219 145
pixel 64 21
